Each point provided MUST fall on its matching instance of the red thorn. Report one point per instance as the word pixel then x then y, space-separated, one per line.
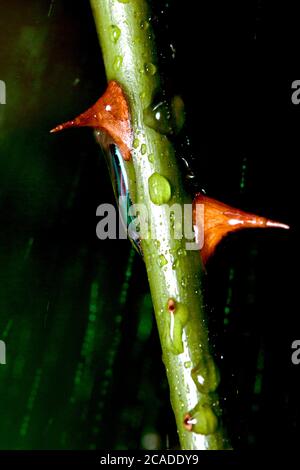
pixel 220 219
pixel 109 114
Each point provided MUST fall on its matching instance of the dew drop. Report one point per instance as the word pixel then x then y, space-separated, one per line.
pixel 202 420
pixel 157 244
pixel 144 25
pixel 151 158
pixel 115 33
pixel 150 68
pixel 118 62
pixel 159 189
pixel 143 149
pixel 175 264
pixel 136 143
pixel 173 334
pixel 166 117
pixel 177 317
pixel 206 375
pixel 158 117
pixel 162 261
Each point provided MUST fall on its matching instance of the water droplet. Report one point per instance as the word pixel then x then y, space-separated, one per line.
pixel 162 261
pixel 175 321
pixel 158 117
pixel 187 364
pixel 166 117
pixel 136 143
pixel 157 244
pixel 201 420
pixel 159 189
pixel 173 334
pixel 151 158
pixel 144 25
pixel 118 62
pixel 143 149
pixel 115 33
pixel 206 375
pixel 150 68
pixel 175 264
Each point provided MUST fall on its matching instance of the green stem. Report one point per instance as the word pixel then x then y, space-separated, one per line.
pixel 129 53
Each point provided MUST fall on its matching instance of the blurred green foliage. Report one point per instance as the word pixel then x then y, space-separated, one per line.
pixel 77 335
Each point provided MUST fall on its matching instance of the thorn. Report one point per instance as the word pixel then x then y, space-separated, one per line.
pixel 63 126
pixel 109 114
pixel 270 223
pixel 221 219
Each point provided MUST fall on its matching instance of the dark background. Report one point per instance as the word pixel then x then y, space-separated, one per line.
pixel 84 363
